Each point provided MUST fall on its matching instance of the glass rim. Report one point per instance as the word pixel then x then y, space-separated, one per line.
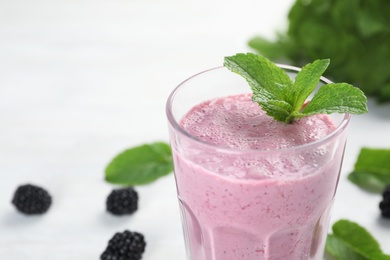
pixel 175 124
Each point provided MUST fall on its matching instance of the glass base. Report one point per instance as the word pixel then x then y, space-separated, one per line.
pixel 305 242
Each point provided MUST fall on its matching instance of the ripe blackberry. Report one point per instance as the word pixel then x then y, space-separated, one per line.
pixel 30 199
pixel 125 246
pixel 384 205
pixel 122 201
pixel 386 193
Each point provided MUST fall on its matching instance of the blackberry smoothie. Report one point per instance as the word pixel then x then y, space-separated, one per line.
pixel 250 187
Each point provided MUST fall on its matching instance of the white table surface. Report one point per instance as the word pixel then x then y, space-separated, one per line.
pixel 83 80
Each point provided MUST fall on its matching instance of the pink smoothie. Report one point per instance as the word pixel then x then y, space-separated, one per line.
pixel 260 190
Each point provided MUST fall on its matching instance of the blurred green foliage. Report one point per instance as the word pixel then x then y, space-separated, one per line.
pixel 354 34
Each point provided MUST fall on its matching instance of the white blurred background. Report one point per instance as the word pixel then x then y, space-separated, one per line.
pixel 80 81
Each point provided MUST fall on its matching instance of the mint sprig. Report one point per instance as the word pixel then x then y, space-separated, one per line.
pixel 372 169
pixel 140 165
pixel 353 242
pixel 284 99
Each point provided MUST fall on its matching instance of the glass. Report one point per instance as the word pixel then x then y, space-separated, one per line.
pixel 231 214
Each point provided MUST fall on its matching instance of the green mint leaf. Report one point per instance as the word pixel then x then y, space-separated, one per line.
pixel 337 98
pixel 341 250
pixel 280 110
pixel 353 242
pixel 369 181
pixel 306 82
pixel 140 165
pixel 372 169
pixel 268 81
pixel 283 99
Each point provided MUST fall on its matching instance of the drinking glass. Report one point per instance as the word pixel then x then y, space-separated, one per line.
pixel 252 204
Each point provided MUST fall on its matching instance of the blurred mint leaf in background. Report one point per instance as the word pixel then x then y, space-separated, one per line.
pixel 140 165
pixel 350 241
pixel 354 34
pixel 372 169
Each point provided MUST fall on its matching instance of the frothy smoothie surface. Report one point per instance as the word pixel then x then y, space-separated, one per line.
pixel 238 122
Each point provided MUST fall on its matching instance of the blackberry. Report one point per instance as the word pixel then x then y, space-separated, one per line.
pixel 125 246
pixel 30 199
pixel 122 201
pixel 384 205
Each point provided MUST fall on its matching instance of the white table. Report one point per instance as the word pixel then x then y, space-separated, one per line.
pixel 82 80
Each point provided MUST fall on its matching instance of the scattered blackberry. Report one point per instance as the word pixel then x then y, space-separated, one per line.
pixel 30 199
pixel 122 201
pixel 384 205
pixel 125 246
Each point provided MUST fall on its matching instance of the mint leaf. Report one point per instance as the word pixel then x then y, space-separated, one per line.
pixel 341 250
pixel 140 165
pixel 337 98
pixel 372 169
pixel 280 110
pixel 371 182
pixel 353 242
pixel 307 80
pixel 283 99
pixel 268 81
